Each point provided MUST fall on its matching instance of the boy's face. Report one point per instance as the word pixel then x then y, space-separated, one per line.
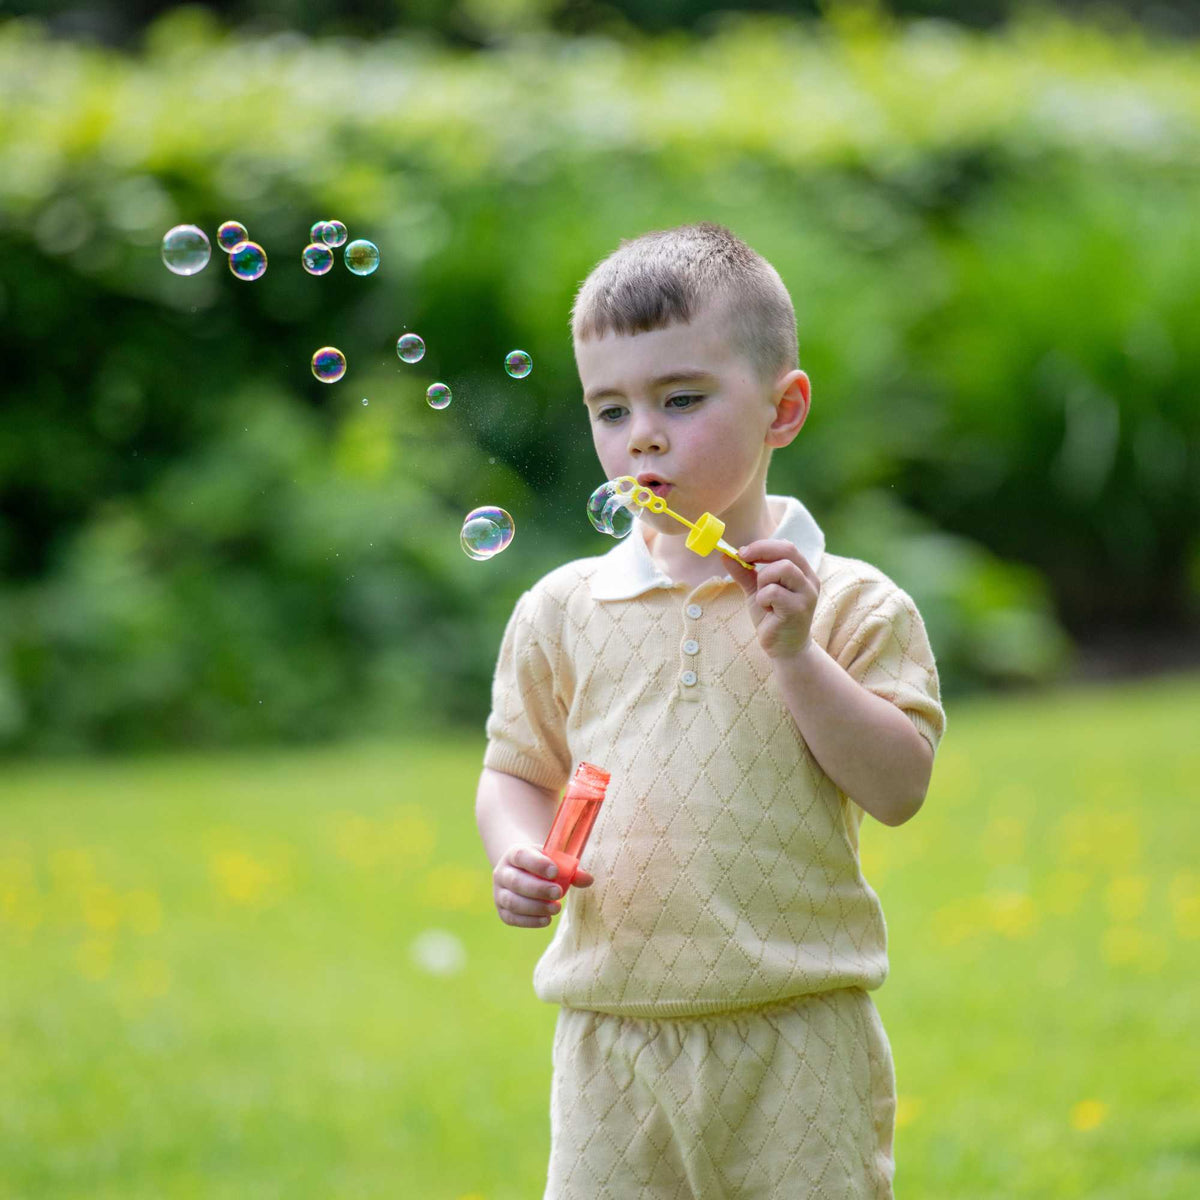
pixel 682 406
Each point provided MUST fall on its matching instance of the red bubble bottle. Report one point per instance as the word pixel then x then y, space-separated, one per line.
pixel 574 820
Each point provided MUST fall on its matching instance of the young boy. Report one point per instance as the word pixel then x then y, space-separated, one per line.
pixel 715 1037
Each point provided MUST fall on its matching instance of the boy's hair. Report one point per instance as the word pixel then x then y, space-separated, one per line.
pixel 659 278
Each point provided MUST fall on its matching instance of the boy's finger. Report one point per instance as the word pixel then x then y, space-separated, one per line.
pixel 583 878
pixel 535 862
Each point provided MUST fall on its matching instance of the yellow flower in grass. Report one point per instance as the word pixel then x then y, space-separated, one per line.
pixel 1088 1114
pixel 1012 913
pixel 908 1108
pixel 456 888
pixel 247 880
pixel 1131 946
pixel 101 908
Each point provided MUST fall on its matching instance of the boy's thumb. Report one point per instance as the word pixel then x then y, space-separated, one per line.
pixel 583 878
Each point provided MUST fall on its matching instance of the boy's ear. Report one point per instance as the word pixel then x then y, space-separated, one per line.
pixel 793 397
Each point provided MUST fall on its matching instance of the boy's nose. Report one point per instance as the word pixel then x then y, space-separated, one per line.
pixel 646 438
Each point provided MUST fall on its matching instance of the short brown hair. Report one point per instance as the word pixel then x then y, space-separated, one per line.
pixel 659 278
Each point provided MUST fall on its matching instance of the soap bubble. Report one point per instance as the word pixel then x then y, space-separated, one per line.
pixel 248 260
pixel 317 258
pixel 318 231
pixel 361 256
pixel 230 233
pixel 410 347
pixel 609 511
pixel 186 249
pixel 518 364
pixel 333 233
pixel 438 952
pixel 486 532
pixel 329 364
pixel 438 395
pixel 364 401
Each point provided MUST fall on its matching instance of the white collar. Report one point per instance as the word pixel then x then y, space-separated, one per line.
pixel 627 570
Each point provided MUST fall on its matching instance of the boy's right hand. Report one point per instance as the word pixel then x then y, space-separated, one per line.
pixel 524 889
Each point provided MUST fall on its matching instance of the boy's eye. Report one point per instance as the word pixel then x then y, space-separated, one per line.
pixel 608 414
pixel 689 399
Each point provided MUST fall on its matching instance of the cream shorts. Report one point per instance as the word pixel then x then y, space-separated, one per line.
pixel 791 1101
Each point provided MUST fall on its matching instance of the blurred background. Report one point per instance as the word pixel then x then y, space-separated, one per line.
pixel 214 567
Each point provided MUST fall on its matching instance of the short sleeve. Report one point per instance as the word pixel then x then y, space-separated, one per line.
pixel 890 655
pixel 526 728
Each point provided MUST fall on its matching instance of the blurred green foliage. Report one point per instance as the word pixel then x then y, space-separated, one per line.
pixel 990 241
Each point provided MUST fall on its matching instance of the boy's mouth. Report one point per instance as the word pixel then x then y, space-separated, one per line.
pixel 658 486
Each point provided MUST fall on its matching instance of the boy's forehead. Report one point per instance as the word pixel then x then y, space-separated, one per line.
pixel 617 360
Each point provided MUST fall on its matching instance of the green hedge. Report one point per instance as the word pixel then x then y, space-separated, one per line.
pixel 990 240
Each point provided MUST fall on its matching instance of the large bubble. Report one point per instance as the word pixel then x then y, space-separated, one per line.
pixel 486 532
pixel 438 395
pixel 329 364
pixel 609 510
pixel 518 364
pixel 186 249
pixel 361 256
pixel 410 347
pixel 230 233
pixel 248 260
pixel 317 258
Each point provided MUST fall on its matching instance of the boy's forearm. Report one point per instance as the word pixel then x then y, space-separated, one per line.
pixel 867 746
pixel 509 811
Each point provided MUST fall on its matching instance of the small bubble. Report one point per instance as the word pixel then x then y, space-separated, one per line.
pixel 410 347
pixel 333 234
pixel 518 364
pixel 317 232
pixel 361 257
pixel 364 401
pixel 329 364
pixel 317 258
pixel 486 532
pixel 438 952
pixel 186 249
pixel 248 260
pixel 438 395
pixel 609 511
pixel 230 233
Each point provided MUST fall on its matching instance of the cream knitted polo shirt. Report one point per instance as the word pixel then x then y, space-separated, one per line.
pixel 726 860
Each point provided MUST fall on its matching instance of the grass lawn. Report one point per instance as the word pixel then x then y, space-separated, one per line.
pixel 280 974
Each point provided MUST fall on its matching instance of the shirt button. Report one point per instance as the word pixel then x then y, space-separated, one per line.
pixel 691 646
pixel 689 678
pixel 694 610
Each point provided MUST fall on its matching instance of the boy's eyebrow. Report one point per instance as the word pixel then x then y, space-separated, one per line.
pixel 684 375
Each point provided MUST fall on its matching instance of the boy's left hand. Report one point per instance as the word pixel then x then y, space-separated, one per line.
pixel 782 594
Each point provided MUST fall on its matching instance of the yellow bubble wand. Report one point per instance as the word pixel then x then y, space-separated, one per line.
pixel 705 535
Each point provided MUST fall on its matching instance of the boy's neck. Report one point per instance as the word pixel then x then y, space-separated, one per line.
pixel 671 555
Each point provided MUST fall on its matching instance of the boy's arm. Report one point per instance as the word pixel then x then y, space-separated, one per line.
pixel 514 817
pixel 509 811
pixel 865 744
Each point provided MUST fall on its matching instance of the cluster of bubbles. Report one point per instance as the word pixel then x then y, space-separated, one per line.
pixel 360 256
pixel 610 510
pixel 486 532
pixel 186 250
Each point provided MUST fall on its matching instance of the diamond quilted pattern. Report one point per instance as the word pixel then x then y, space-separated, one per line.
pixel 726 862
pixel 792 1101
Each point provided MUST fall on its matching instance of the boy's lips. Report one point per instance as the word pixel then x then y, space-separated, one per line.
pixel 659 487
